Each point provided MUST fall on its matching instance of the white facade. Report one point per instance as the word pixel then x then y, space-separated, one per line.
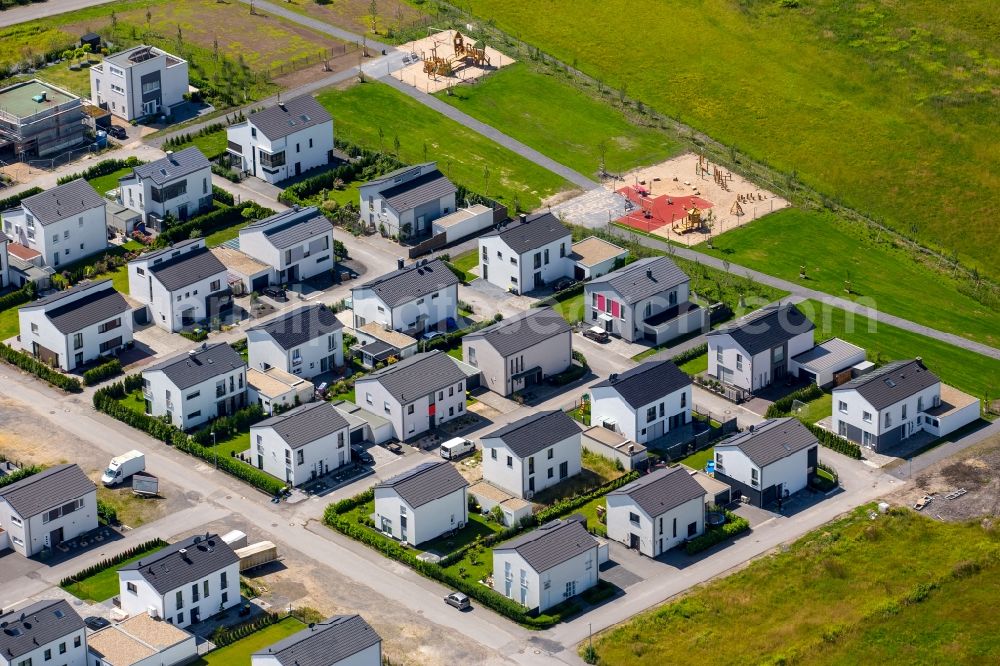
pixel 4 261
pixel 296 261
pixel 416 416
pixel 62 241
pixel 370 656
pixel 309 359
pixel 378 210
pixel 219 590
pixel 654 535
pixel 29 535
pixel 790 472
pixel 283 157
pixel 854 417
pixel 299 465
pixel 515 579
pixel 520 273
pixel 751 372
pixel 396 517
pixel 646 423
pixel 67 650
pixel 222 393
pixel 523 477
pixel 138 82
pixel 183 196
pixel 427 311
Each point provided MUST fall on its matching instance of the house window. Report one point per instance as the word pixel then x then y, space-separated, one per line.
pixel 451 391
pixel 531 465
pixel 551 453
pixel 867 438
pixel 562 249
pixel 651 414
pixel 368 398
pixel 195 594
pixel 310 143
pixel 194 415
pixel 132 588
pixel 451 411
pixel 661 525
pixel 739 361
pixel 204 587
pixel 842 406
pixel 109 325
pixel 778 354
pixel 180 600
pixel 78 341
pixel 866 417
pixel 493 454
pixel 684 400
pixel 34 328
pixel 552 472
pixel 385 406
pixel 904 412
pixel 216 284
pixel 675 528
pixel 538 260
pixel 754 477
pixel 62 648
pixel 888 420
pixel 223 581
pixel 546 257
pixel 409 409
pixel 692 529
pixel 718 355
pixel 300 457
pixel 633 518
pixel 180 618
pixel 661 410
pixel 920 403
pixel 510 461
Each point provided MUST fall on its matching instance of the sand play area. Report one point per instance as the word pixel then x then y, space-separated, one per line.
pixel 687 199
pixel 448 58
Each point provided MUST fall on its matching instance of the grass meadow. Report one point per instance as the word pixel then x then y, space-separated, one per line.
pixel 901 124
pixel 845 594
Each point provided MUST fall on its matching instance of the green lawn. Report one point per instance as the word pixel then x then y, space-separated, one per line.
pixel 110 181
pixel 135 401
pixel 877 129
pixel 9 325
pixel 698 459
pixel 240 651
pixel 455 353
pixel 477 526
pixel 465 262
pixel 903 589
pixel 882 275
pixel 104 584
pixel 817 409
pixel 466 157
pixel 696 365
pixel 212 144
pixel 222 235
pixel 965 370
pixel 571 309
pixel 545 112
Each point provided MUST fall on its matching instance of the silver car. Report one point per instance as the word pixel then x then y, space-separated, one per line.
pixel 458 600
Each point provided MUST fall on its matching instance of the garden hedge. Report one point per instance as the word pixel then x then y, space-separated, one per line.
pixel 112 561
pixel 106 370
pixel 39 369
pixel 15 200
pixel 835 442
pixel 734 525
pixel 19 297
pixel 573 503
pixel 222 196
pixel 690 354
pixel 22 473
pixel 102 168
pixel 783 406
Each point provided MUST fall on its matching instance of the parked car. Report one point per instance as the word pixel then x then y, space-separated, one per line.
pixel 358 453
pixel 597 334
pixel 563 283
pixel 321 391
pixel 277 293
pixel 117 132
pixel 458 600
pixel 94 622
pixel 430 335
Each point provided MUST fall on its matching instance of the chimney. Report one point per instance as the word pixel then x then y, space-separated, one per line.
pixel 399 263
pixel 613 376
pixel 170 152
pixel 751 427
pixel 523 217
pixel 649 273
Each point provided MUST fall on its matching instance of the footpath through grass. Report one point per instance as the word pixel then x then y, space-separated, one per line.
pixel 240 651
pixel 104 584
pixel 924 587
pixel 545 112
pixel 967 371
pixel 882 275
pixel 877 130
pixel 466 157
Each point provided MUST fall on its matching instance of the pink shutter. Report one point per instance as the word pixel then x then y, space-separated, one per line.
pixel 600 303
pixel 614 308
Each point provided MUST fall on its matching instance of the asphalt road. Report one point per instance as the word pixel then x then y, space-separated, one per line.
pixel 34 11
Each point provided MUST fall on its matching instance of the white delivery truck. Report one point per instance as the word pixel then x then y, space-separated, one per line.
pixel 456 448
pixel 123 466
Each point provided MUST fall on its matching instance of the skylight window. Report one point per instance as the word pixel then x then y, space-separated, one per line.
pixel 890 383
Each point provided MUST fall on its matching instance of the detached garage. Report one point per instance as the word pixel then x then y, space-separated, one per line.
pixel 822 363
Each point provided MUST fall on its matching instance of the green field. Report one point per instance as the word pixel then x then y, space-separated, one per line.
pixel 882 275
pixel 902 122
pixel 464 156
pixel 903 589
pixel 968 371
pixel 547 113
pixel 212 144
pixel 240 651
pixel 695 366
pixel 104 584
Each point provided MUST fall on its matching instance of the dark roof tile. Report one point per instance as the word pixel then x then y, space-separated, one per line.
pixel 537 231
pixel 551 544
pixel 293 115
pixel 772 440
pixel 525 330
pixel 662 490
pixel 528 436
pixel 642 279
pixel 892 382
pixel 301 325
pixel 67 200
pixel 169 568
pixel 426 482
pixel 647 382
pixel 766 328
pixel 49 488
pixel 189 369
pixel 304 425
pixel 411 282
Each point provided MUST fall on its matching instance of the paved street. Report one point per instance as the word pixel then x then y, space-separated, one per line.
pixel 31 12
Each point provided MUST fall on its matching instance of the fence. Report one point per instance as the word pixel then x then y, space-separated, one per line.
pixel 302 62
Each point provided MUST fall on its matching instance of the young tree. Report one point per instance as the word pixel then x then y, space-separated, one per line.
pixel 373 15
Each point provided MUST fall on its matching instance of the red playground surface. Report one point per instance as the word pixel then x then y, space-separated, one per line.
pixel 664 210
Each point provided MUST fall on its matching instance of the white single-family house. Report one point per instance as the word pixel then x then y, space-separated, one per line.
pixel 415 394
pixel 43 510
pixel 423 503
pixel 64 224
pixel 533 453
pixel 757 349
pixel 74 327
pixel 769 461
pixel 412 299
pixel 195 387
pixel 302 444
pixel 646 301
pixel 306 341
pixel 297 242
pixel 527 254
pixel 547 566
pixel 141 641
pixel 284 140
pixel 181 285
pixel 342 640
pixel 657 512
pixel 645 403
pixel 44 632
pixel 406 201
pixel 520 351
pixel 179 185
pixel 184 583
pixel 140 81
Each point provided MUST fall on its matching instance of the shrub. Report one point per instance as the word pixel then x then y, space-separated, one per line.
pixel 690 354
pixel 112 561
pixel 835 442
pixel 102 168
pixel 107 513
pixel 19 297
pixel 223 636
pixel 222 196
pixel 783 406
pixel 15 200
pixel 734 525
pixel 225 427
pixel 39 369
pixel 569 505
pixel 106 370
pixel 22 473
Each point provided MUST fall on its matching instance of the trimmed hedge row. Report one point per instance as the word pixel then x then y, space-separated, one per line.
pixel 367 164
pixel 20 297
pixel 103 371
pixel 102 168
pixel 573 373
pixel 39 369
pixel 15 200
pixel 560 296
pixel 835 442
pixel 224 636
pixel 112 561
pixel 573 503
pixel 734 525
pixel 225 427
pixel 22 473
pixel 783 406
pixel 449 340
pixel 690 354
pixel 222 196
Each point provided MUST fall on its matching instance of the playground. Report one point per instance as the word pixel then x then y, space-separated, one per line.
pixel 688 200
pixel 448 58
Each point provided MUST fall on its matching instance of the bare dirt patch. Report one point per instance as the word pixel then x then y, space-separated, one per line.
pixel 455 67
pixel 355 15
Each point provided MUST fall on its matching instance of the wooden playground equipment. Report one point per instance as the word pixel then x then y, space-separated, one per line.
pixel 464 53
pixel 690 222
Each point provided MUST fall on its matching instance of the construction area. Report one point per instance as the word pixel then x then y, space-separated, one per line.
pixel 447 58
pixel 689 200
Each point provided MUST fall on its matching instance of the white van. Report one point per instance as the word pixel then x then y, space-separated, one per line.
pixel 456 448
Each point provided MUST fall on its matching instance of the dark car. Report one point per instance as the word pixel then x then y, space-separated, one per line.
pixel 95 623
pixel 358 453
pixel 117 132
pixel 563 283
pixel 277 293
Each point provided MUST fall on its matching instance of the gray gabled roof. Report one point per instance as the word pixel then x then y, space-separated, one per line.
pixel 324 643
pixel 191 368
pixel 67 200
pixel 169 568
pixel 426 187
pixel 187 269
pixel 522 331
pixel 387 177
pixel 892 382
pixel 291 227
pixel 647 382
pixel 772 440
pixel 766 328
pixel 411 282
pixel 528 436
pixel 301 325
pixel 662 490
pixel 49 488
pixel 304 425
pixel 642 279
pixel 418 376
pixel 173 166
pixel 41 623
pixel 100 304
pixel 293 115
pixel 551 544
pixel 533 233
pixel 426 482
